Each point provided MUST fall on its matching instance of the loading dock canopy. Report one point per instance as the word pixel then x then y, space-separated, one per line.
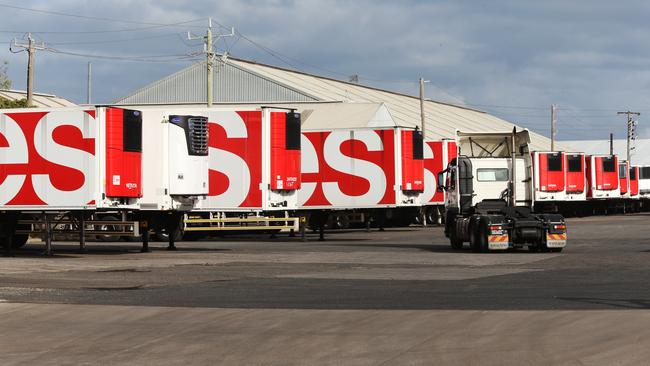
pixel 492 144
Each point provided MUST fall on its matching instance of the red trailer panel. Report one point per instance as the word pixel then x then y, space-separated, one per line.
pixel 123 153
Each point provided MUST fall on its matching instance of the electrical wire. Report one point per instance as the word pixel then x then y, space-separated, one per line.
pixel 43 11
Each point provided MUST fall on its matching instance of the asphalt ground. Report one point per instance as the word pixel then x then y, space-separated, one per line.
pixel 401 296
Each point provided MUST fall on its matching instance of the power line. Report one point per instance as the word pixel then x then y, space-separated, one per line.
pixel 89 17
pixel 102 31
pixel 148 58
pixel 115 40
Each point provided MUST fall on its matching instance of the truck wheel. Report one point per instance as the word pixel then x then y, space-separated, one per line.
pixel 479 242
pixel 454 240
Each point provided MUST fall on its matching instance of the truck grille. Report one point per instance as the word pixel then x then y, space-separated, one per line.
pixel 198 135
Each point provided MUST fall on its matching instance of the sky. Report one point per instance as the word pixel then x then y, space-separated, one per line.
pixel 511 58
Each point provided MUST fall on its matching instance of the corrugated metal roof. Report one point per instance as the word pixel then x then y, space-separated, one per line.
pixel 39 99
pixel 442 119
pixel 232 84
pixel 243 81
pixel 640 155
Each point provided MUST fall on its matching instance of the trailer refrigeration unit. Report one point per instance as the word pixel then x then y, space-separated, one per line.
pixel 623 181
pixel 490 196
pixel 602 177
pixel 576 177
pixel 77 163
pixel 549 179
pixel 373 172
pixel 437 155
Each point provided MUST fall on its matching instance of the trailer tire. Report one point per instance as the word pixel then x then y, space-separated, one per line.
pixel 106 238
pixel 454 240
pixel 479 242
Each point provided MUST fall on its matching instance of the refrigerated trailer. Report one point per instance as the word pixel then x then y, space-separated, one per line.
pixel 602 177
pixel 253 169
pixel 549 176
pixel 72 162
pixel 374 172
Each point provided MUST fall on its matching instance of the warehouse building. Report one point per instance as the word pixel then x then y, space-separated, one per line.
pixel 336 103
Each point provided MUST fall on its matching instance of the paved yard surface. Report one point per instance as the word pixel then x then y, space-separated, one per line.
pixel 394 297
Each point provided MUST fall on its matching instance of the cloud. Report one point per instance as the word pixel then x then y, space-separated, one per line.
pixel 582 55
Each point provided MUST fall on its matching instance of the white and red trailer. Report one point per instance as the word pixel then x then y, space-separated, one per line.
pixel 99 159
pixel 371 170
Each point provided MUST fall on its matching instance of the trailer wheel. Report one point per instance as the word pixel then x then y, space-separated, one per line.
pixel 108 228
pixel 454 240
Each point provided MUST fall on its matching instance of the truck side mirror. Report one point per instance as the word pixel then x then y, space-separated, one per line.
pixel 441 182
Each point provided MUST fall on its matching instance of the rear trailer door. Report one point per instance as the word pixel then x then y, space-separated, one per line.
pixel 575 173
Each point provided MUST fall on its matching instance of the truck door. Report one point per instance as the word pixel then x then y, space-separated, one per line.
pixel 465 183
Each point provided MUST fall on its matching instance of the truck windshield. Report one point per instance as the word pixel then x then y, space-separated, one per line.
pixel 554 162
pixel 575 163
pixel 492 174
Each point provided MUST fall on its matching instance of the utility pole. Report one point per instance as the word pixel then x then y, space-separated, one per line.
pixel 631 130
pixel 90 83
pixel 31 47
pixel 208 49
pixel 553 126
pixel 422 117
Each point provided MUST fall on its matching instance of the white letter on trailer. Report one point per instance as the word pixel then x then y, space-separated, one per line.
pixel 308 164
pixel 360 168
pixel 429 178
pixel 231 165
pixel 16 153
pixel 67 156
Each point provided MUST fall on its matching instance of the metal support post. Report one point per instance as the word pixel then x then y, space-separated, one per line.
pixel 82 232
pixel 48 235
pixel 144 229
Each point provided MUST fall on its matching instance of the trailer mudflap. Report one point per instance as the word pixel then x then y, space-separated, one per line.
pixel 556 240
pixel 498 238
pixel 498 242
